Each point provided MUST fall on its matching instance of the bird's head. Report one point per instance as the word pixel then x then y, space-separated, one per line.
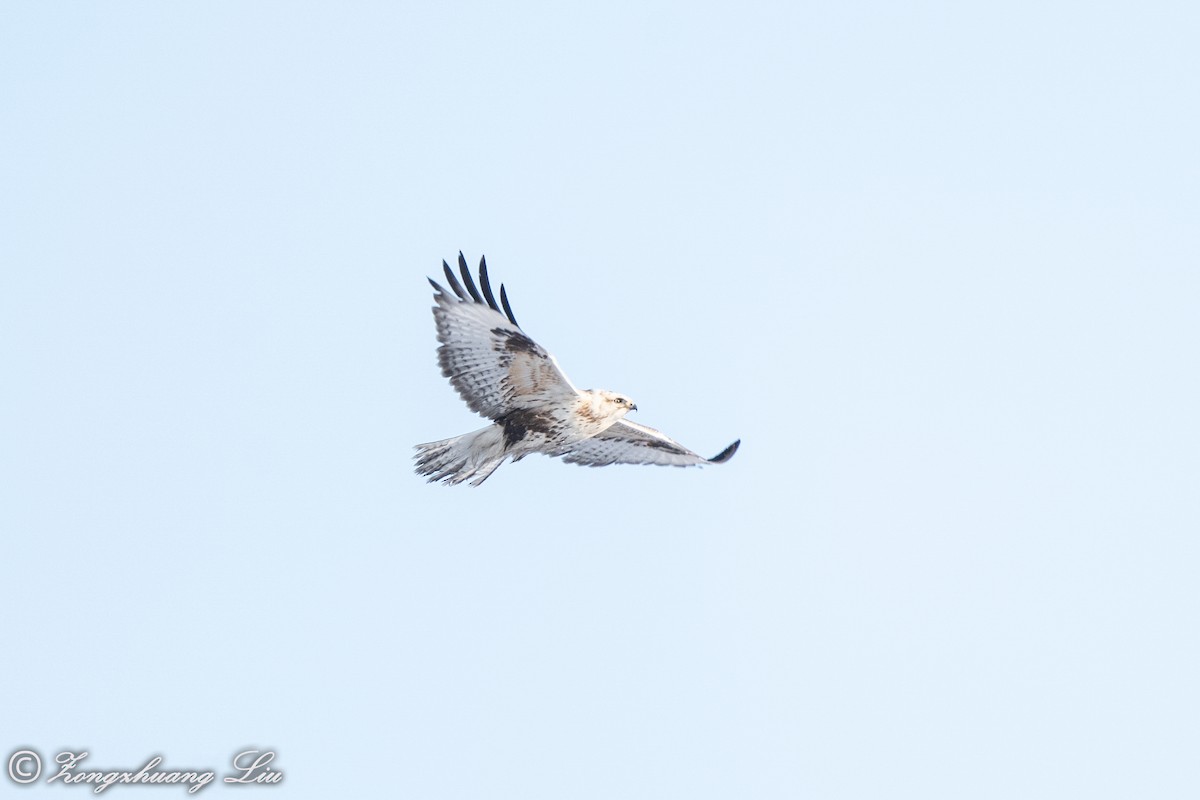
pixel 619 404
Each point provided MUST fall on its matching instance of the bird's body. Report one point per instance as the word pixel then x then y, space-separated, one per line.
pixel 505 376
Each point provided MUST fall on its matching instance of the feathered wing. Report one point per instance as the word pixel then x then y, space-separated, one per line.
pixel 627 442
pixel 489 360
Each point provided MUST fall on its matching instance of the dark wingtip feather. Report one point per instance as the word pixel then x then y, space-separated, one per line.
pixel 507 307
pixel 437 286
pixel 485 285
pixel 726 454
pixel 458 290
pixel 468 281
pixel 471 292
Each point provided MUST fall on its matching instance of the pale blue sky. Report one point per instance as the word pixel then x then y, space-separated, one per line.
pixel 936 265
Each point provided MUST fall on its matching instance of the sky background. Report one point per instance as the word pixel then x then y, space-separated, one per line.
pixel 936 264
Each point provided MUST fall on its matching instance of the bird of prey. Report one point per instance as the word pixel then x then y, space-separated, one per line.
pixel 508 378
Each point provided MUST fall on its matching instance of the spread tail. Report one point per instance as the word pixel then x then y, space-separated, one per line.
pixel 473 456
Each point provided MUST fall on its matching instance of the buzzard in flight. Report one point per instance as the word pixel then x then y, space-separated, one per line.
pixel 507 377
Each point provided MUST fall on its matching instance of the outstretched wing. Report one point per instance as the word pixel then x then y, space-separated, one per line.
pixel 627 442
pixel 494 366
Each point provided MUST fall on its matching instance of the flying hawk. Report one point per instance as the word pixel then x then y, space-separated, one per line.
pixel 507 377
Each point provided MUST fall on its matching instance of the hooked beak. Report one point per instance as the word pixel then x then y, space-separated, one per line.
pixel 633 407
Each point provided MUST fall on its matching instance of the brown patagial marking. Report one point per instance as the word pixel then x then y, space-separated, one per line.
pixel 667 446
pixel 527 364
pixel 517 342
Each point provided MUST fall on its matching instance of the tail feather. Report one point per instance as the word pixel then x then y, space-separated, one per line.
pixel 473 456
